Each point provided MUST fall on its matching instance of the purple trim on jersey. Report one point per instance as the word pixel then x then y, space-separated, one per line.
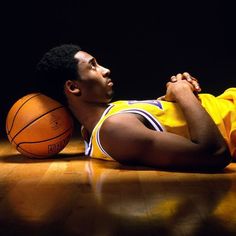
pixel 151 102
pixel 107 110
pixel 155 124
pixel 90 146
pixel 99 143
pixel 150 118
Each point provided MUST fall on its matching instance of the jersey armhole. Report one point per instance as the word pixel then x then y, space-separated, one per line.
pixel 153 121
pixel 100 145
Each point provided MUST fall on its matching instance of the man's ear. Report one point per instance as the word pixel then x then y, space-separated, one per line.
pixel 72 86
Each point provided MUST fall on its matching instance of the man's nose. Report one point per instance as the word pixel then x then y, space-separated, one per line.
pixel 105 72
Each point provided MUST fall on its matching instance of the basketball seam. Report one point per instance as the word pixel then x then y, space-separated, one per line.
pixel 34 121
pixel 9 130
pixel 45 140
pixel 18 145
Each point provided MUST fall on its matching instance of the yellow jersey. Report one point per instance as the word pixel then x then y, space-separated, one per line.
pixel 166 116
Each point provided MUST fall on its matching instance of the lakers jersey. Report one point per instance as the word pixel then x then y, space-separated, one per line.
pixel 165 116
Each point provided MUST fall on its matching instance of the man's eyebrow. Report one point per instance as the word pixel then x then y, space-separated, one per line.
pixel 92 59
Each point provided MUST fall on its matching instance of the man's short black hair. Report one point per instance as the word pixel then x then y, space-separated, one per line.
pixel 56 67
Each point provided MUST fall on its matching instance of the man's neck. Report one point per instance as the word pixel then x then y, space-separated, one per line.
pixel 88 114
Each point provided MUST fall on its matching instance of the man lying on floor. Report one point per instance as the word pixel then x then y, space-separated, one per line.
pixel 182 129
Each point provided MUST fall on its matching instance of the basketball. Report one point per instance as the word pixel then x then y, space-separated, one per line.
pixel 38 126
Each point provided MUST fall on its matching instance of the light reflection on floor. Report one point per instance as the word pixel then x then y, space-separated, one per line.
pixel 74 195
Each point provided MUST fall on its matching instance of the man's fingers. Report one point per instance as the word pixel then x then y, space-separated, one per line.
pixel 189 77
pixel 161 98
pixel 186 76
pixel 192 81
pixel 173 78
pixel 179 76
pixel 196 86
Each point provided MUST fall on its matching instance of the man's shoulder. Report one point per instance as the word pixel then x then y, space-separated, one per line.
pixel 118 119
pixel 121 123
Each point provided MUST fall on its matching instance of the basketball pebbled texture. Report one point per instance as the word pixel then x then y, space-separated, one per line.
pixel 38 126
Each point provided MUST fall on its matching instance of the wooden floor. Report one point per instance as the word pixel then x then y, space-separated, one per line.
pixel 74 195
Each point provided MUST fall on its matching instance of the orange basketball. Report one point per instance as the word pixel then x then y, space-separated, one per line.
pixel 38 126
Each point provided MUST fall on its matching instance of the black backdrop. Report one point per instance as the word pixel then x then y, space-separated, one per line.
pixel 142 42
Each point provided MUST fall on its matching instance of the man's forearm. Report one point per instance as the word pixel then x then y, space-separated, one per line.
pixel 202 128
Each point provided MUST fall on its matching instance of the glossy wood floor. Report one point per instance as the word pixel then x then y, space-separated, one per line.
pixel 74 195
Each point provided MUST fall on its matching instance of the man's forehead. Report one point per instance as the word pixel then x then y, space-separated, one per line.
pixel 82 56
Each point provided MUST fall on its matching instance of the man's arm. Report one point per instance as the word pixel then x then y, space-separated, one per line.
pixel 127 140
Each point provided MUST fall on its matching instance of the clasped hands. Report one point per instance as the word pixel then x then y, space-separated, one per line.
pixel 185 81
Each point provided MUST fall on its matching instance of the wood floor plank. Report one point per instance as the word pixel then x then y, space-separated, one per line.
pixel 71 194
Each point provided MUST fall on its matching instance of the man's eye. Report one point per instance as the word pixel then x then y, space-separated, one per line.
pixel 93 64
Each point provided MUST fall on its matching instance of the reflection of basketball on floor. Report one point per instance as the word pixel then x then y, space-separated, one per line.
pixel 38 126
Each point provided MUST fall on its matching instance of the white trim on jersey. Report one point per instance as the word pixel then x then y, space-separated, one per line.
pixel 89 147
pixel 99 143
pixel 150 118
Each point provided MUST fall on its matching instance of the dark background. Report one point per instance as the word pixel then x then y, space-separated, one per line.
pixel 142 42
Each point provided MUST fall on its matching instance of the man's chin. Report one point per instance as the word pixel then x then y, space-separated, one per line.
pixel 110 95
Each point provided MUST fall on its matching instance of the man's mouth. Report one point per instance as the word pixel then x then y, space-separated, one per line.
pixel 109 83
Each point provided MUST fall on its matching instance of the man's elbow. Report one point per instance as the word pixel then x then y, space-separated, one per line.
pixel 223 157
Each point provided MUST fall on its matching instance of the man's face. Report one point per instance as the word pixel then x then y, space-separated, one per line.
pixel 95 84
